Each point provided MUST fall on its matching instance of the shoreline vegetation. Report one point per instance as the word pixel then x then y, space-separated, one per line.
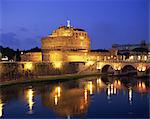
pixel 64 77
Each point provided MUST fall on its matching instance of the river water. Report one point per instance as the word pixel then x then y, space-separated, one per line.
pixel 92 97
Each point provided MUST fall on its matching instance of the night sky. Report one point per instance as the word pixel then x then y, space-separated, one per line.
pixel 24 22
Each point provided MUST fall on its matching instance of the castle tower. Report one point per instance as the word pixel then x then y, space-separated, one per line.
pixel 65 39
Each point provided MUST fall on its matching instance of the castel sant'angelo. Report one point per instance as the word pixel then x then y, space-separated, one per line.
pixel 65 44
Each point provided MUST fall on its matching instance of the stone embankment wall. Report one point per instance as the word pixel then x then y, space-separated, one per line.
pixel 27 70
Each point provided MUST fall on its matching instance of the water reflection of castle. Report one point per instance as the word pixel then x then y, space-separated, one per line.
pixel 72 98
pixel 75 101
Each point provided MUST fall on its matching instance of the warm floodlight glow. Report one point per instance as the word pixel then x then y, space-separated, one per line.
pixel 131 57
pixel 81 37
pixel 145 57
pixel 99 65
pixel 57 64
pixel 141 67
pixel 117 67
pixel 89 63
pixel 139 57
pixel 28 66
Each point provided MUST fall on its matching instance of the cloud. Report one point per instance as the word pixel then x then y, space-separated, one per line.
pixel 10 40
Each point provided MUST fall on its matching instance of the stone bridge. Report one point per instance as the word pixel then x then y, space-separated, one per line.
pixel 117 67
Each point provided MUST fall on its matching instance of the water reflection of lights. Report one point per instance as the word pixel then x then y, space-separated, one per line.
pixel 130 95
pixel 111 90
pixel 100 83
pixel 57 94
pixel 141 86
pixel 55 99
pixel 89 87
pixel 68 116
pixel 58 89
pixel 1 108
pixel 117 83
pixel 108 91
pixel 115 90
pixel 85 95
pixel 30 95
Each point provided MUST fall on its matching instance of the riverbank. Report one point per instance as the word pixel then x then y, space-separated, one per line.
pixel 64 77
pixel 39 79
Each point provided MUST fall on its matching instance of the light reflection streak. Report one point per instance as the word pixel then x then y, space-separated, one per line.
pixel 117 84
pixel 89 87
pixel 111 90
pixel 108 91
pixel 1 108
pixel 130 95
pixel 30 95
pixel 57 94
pixel 115 90
pixel 56 100
pixel 141 86
pixel 85 95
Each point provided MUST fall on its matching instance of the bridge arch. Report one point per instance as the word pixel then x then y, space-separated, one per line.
pixel 107 68
pixel 129 69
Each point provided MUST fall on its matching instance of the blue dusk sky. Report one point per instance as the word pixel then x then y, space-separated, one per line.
pixel 24 22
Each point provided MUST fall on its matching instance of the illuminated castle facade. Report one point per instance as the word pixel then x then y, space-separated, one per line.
pixel 65 44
